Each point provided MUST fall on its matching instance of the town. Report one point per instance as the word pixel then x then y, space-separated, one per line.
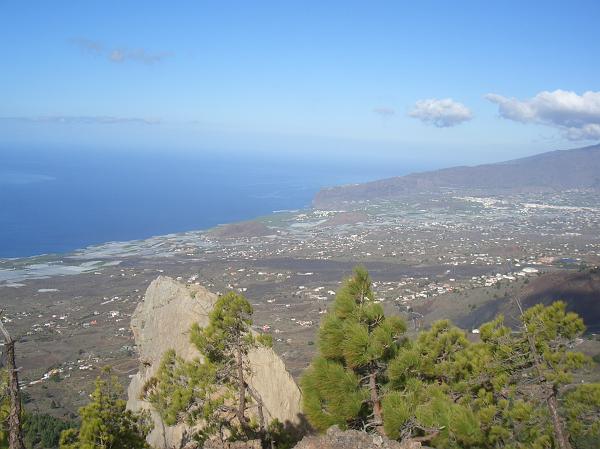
pixel 456 254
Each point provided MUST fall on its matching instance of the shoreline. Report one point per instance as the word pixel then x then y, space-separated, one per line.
pixel 69 253
pixel 15 270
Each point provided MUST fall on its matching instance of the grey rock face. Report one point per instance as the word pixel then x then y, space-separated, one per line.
pixel 163 321
pixel 353 439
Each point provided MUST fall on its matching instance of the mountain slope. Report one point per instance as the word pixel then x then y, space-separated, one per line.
pixel 563 169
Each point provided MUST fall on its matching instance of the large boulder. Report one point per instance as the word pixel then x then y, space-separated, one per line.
pixel 162 321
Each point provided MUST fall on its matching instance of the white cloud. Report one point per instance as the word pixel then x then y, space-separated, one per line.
pixel 441 113
pixel 139 55
pixel 84 119
pixel 384 111
pixel 577 116
pixel 119 55
pixel 88 45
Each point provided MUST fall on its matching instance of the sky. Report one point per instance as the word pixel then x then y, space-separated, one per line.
pixel 456 82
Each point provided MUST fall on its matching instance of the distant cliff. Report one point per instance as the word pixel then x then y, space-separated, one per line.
pixel 555 170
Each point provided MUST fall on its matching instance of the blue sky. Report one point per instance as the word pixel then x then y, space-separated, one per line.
pixel 407 78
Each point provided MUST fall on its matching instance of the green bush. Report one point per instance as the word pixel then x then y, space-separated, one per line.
pixel 42 431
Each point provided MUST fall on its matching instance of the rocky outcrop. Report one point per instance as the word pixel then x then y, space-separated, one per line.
pixel 162 321
pixel 252 444
pixel 218 444
pixel 275 385
pixel 353 439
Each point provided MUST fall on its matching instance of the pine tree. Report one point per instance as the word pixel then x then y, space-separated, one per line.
pixel 215 390
pixel 15 428
pixel 547 333
pixel 429 391
pixel 4 408
pixel 225 343
pixel 105 423
pixel 356 341
pixel 582 411
pixel 181 389
pixel 42 431
pixel 452 393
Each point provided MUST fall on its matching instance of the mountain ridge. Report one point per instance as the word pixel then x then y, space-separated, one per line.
pixel 558 169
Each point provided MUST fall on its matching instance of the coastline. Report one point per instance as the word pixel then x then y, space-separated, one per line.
pixel 15 270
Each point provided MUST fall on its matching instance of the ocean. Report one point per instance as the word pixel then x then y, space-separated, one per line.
pixel 57 200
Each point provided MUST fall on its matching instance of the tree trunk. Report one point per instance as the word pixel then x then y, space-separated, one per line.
pixel 15 436
pixel 264 433
pixel 376 401
pixel 259 405
pixel 560 434
pixel 241 412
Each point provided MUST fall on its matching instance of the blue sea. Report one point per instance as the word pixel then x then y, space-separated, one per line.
pixel 57 200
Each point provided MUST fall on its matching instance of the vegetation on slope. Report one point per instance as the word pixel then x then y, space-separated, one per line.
pixel 510 389
pixel 42 431
pixel 356 343
pixel 507 388
pixel 214 391
pixel 105 423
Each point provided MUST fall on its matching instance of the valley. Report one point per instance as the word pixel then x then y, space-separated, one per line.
pixel 453 254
